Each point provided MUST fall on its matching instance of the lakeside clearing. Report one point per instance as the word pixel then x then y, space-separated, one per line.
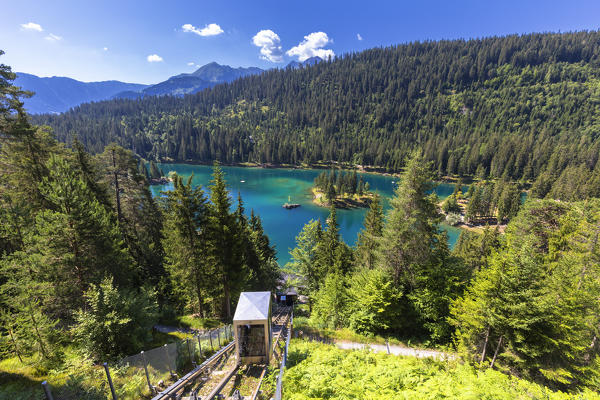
pixel 345 201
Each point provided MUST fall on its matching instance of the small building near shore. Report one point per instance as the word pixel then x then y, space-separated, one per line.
pixel 287 297
pixel 252 328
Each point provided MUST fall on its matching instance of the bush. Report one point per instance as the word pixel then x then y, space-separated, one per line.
pixel 117 322
pixel 453 219
pixel 372 302
pixel 451 205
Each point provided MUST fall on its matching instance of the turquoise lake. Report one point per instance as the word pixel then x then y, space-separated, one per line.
pixel 265 190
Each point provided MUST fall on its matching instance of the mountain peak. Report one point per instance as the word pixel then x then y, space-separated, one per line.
pixel 309 61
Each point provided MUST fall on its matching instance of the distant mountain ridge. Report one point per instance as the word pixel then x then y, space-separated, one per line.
pixel 58 94
pixel 306 63
pixel 204 77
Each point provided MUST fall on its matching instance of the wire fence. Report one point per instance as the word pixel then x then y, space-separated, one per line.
pixel 144 374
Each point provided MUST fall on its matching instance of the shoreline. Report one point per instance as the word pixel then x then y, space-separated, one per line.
pixel 363 169
pixel 343 203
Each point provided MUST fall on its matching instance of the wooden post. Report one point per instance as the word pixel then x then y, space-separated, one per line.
pixel 199 346
pixel 47 391
pixel 110 382
pixel 146 370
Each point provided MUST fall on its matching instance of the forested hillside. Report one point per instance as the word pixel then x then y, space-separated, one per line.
pixel 88 258
pixel 522 107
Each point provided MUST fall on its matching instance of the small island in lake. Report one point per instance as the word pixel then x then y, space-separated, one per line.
pixel 345 190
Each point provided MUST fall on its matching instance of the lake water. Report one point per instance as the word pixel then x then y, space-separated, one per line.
pixel 265 190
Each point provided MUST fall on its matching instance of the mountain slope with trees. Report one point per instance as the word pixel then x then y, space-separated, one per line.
pixel 519 107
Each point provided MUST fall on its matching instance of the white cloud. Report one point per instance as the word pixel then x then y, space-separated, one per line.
pixel 191 64
pixel 32 26
pixel 270 45
pixel 154 58
pixel 105 49
pixel 358 36
pixel 53 38
pixel 312 46
pixel 208 30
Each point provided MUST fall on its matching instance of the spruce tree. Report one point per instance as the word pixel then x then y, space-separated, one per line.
pixel 187 257
pixel 367 245
pixel 226 236
pixel 304 257
pixel 410 232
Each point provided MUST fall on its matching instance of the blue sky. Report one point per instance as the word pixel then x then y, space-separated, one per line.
pixel 148 41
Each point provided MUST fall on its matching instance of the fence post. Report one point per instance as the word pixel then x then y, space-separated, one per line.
pixel 47 390
pixel 387 343
pixel 210 337
pixel 146 370
pixel 219 337
pixel 168 359
pixel 110 382
pixel 199 348
pixel 190 352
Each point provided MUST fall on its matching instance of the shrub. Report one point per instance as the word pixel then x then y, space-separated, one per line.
pixel 117 322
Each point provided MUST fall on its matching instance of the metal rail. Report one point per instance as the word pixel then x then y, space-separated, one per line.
pixel 222 383
pixel 279 388
pixel 191 376
pixel 289 318
pixel 282 319
pixel 285 314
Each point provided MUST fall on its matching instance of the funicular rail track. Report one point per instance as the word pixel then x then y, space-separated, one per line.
pixel 172 391
pixel 184 387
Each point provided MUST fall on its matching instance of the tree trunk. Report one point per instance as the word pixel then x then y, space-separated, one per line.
pixel 227 300
pixel 496 352
pixel 117 194
pixel 37 332
pixel 10 332
pixel 199 294
pixel 487 336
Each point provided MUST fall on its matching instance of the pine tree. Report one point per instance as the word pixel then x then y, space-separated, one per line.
pixel 333 255
pixel 410 232
pixel 367 245
pixel 304 257
pixel 76 239
pixel 187 254
pixel 225 233
pixel 139 217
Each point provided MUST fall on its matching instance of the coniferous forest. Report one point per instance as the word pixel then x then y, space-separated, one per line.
pixel 523 106
pixel 89 257
pixel 90 261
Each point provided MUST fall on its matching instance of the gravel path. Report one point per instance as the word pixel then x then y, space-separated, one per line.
pixel 395 350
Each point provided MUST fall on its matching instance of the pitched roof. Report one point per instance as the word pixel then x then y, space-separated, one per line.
pixel 253 306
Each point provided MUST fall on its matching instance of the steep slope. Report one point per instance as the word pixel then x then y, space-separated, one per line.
pixel 58 94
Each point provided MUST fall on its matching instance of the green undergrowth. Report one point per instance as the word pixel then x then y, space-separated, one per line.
pixel 321 371
pixel 307 326
pixel 77 375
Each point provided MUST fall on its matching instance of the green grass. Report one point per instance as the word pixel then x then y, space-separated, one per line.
pixel 192 322
pixel 303 323
pixel 320 371
pixel 79 376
